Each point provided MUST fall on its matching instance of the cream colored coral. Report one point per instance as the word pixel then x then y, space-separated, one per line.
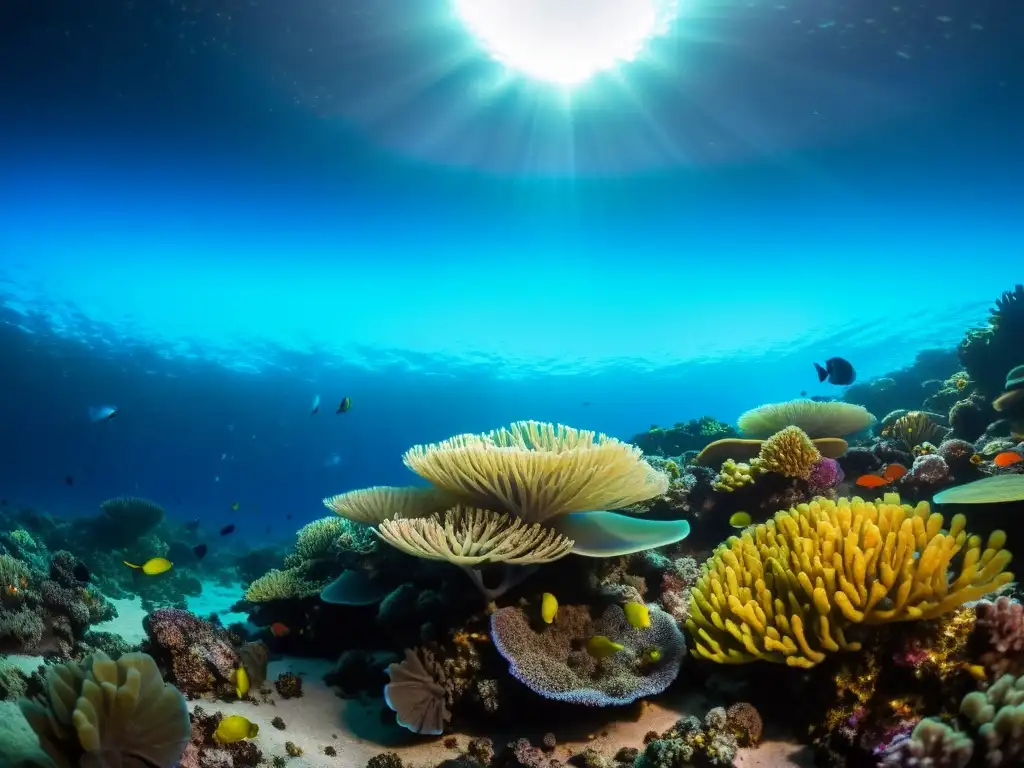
pixel 788 452
pixel 536 471
pixel 786 590
pixel 831 419
pixel 384 502
pixel 280 585
pixel 467 537
pixel 999 715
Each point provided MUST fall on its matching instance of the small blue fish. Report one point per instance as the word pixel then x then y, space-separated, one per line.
pixel 316 405
pixel 98 413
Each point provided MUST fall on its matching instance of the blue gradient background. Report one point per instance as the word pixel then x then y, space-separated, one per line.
pixel 209 215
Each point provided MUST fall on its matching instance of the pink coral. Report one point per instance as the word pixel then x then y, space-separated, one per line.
pixel 825 475
pixel 200 656
pixel 1002 623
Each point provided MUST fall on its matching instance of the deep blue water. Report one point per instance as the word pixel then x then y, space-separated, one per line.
pixel 210 213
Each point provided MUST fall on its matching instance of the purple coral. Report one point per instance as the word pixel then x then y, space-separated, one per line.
pixel 928 471
pixel 825 475
pixel 1002 622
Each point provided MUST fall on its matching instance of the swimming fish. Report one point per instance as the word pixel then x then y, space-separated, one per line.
pixel 548 607
pixel 344 405
pixel 740 519
pixel 1007 459
pixel 227 529
pixel 316 405
pixel 601 647
pixel 976 459
pixel 153 566
pixel 235 728
pixel 234 507
pixel 637 614
pixel 894 472
pixel 98 413
pixel 241 682
pixel 277 629
pixel 837 370
pixel 891 474
pixel 69 480
pixel 199 550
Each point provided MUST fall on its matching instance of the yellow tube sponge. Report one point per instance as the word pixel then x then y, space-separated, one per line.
pixel 787 590
pixel 789 452
pixel 735 475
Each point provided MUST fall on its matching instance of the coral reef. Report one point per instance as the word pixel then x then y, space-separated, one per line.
pixel 194 655
pixel 788 590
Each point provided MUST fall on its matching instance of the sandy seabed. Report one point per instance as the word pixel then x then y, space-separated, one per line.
pixel 354 727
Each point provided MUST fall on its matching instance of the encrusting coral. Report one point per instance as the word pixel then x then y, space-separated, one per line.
pixel 101 713
pixel 789 589
pixel 552 662
pixel 998 714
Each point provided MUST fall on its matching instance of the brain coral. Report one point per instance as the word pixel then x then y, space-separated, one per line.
pixel 552 661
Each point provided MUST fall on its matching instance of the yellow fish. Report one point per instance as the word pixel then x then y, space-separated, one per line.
pixel 153 566
pixel 241 682
pixel 548 607
pixel 740 520
pixel 601 647
pixel 637 614
pixel 651 656
pixel 235 728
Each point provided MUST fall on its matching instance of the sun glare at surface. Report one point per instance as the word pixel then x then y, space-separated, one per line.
pixel 565 41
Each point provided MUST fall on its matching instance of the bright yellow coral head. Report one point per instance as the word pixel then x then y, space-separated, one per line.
pixel 787 590
pixel 789 452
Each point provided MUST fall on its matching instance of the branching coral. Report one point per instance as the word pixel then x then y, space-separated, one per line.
pixel 468 537
pixel 829 419
pixel 280 585
pixel 789 452
pixel 537 471
pixel 788 589
pixel 104 713
pixel 315 540
pixel 552 662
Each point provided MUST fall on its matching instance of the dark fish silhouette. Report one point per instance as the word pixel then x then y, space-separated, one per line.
pixel 199 550
pixel 227 529
pixel 837 370
pixel 69 480
pixel 192 525
pixel 344 405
